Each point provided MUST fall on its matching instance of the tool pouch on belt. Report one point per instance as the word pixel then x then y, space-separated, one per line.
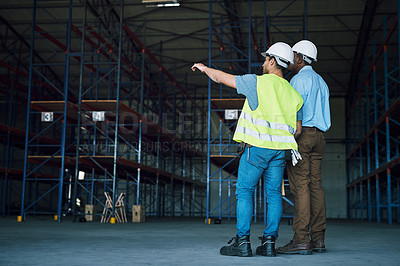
pixel 241 148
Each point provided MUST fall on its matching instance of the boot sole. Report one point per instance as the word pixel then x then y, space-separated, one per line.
pixel 265 254
pixel 247 254
pixel 319 250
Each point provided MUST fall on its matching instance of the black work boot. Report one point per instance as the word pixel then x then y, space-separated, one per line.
pixel 241 247
pixel 267 247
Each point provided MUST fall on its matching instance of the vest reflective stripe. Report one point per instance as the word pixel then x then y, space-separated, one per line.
pixel 264 123
pixel 265 137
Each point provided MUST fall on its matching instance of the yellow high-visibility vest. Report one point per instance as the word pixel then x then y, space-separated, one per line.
pixel 273 124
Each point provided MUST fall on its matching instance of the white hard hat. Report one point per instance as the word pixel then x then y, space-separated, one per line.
pixel 307 49
pixel 282 53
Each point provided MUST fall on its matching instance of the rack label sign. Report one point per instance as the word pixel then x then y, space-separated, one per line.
pixel 47 117
pixel 98 116
pixel 231 114
pixel 81 175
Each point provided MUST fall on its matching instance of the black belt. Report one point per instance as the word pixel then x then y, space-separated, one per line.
pixel 313 128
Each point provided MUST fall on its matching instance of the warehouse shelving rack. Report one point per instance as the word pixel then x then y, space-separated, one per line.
pixel 153 170
pixel 373 128
pixel 13 78
pixel 57 117
pixel 239 41
pixel 125 152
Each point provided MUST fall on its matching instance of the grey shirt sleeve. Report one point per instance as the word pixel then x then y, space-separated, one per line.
pixel 247 85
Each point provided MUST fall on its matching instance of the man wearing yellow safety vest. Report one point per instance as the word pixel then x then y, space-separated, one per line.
pixel 267 125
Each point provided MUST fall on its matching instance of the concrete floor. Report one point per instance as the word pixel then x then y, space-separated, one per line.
pixel 41 241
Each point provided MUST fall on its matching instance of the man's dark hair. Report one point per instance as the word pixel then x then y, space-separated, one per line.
pixel 277 65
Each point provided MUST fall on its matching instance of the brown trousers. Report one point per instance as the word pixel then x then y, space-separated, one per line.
pixel 306 186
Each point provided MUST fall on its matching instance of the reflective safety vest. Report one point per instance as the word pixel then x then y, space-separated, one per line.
pixel 273 124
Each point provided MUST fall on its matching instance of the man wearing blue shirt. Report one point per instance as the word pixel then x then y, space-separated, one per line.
pixel 309 221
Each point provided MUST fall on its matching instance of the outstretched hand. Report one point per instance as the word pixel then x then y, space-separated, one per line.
pixel 199 66
pixel 216 75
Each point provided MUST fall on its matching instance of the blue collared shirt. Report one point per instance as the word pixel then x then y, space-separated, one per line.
pixel 315 93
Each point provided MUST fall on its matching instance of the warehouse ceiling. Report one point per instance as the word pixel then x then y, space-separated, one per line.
pixel 175 37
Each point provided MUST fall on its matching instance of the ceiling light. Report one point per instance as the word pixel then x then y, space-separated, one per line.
pixel 160 3
pixel 168 5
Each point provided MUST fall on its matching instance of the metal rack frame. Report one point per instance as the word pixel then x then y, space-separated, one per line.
pixel 60 92
pixel 373 149
pixel 114 80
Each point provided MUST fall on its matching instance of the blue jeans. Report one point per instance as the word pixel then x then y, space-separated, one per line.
pixel 254 163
